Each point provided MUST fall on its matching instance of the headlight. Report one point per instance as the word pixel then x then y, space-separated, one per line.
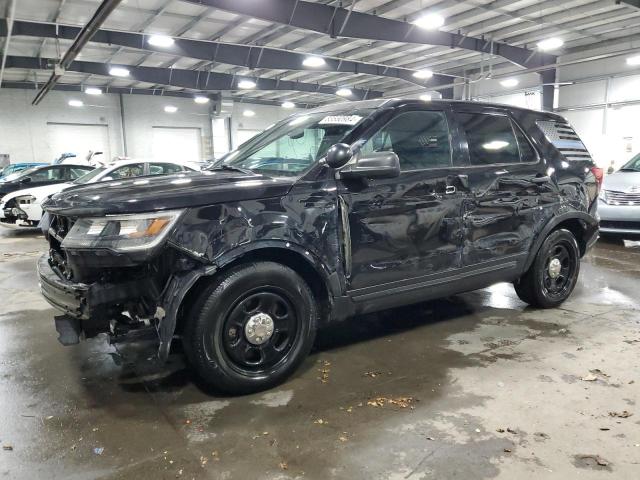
pixel 603 195
pixel 122 233
pixel 25 200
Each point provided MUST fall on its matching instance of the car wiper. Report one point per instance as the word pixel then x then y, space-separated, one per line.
pixel 629 170
pixel 232 168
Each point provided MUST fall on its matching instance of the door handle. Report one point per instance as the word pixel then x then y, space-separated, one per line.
pixel 543 179
pixel 450 190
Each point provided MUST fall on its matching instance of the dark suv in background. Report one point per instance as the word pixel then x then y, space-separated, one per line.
pixel 333 212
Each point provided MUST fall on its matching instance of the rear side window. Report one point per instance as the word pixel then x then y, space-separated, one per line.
pixel 564 138
pixel 491 138
pixel 419 138
pixel 47 174
pixel 127 171
pixel 163 168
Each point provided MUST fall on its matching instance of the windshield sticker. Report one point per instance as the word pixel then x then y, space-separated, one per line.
pixel 340 120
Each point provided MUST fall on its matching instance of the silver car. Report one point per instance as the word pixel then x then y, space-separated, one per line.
pixel 619 203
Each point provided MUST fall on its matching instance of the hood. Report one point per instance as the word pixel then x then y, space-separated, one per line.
pixel 165 192
pixel 622 181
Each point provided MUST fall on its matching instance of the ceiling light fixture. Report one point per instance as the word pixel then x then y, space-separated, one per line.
pixel 423 74
pixel 93 91
pixel 76 103
pixel 430 21
pixel 288 105
pixel 170 109
pixel 249 113
pixel 550 44
pixel 509 82
pixel 426 97
pixel 313 62
pixel 160 41
pixel 344 92
pixel 201 99
pixel 246 84
pixel 633 61
pixel 119 72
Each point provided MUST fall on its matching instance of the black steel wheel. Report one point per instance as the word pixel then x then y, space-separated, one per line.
pixel 251 328
pixel 259 330
pixel 553 273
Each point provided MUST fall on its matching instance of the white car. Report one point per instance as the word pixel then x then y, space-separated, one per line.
pixel 23 207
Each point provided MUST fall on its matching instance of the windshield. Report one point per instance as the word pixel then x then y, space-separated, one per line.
pixel 633 165
pixel 292 146
pixel 21 173
pixel 89 176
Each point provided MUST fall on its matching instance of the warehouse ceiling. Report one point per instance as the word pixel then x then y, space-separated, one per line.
pixel 220 43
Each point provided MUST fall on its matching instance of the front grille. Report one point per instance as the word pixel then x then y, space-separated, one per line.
pixel 622 225
pixel 565 139
pixel 59 227
pixel 622 198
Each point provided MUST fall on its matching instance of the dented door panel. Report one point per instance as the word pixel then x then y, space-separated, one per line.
pixel 403 227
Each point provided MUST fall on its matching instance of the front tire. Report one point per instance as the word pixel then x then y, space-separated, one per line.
pixel 251 328
pixel 553 273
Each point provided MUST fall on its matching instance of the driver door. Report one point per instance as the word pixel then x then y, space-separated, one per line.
pixel 403 231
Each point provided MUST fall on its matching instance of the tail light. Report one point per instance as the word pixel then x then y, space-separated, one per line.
pixel 598 173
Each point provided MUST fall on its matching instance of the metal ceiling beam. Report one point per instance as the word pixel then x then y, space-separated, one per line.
pixel 340 22
pixel 232 54
pixel 11 12
pixel 190 79
pixel 101 15
pixel 156 92
pixel 632 3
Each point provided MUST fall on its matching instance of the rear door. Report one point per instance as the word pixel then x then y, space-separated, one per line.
pixel 405 229
pixel 506 180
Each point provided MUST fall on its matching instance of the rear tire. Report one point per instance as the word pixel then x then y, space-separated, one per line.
pixel 251 328
pixel 553 273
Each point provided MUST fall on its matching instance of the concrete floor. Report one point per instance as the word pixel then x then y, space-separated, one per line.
pixel 474 386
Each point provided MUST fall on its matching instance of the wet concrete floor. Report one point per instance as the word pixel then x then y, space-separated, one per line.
pixel 473 386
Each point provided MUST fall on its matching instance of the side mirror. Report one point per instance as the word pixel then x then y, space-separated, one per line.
pixel 106 179
pixel 373 165
pixel 338 155
pixel 25 180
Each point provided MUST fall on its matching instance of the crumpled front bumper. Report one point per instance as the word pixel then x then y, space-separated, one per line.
pixel 68 297
pixel 90 301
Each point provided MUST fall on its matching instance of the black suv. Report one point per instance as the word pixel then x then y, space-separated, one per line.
pixel 337 211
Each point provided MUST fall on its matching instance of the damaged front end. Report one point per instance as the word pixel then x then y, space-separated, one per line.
pixel 116 275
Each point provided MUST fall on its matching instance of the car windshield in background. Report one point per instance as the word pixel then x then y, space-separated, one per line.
pixel 633 165
pixel 89 176
pixel 19 174
pixel 291 147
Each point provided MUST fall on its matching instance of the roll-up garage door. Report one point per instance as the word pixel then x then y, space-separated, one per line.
pixel 177 144
pixel 79 139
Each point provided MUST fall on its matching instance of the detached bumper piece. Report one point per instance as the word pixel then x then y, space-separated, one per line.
pixel 88 308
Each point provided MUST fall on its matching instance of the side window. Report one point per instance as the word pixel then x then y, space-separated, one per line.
pixel 77 172
pixel 47 174
pixel 490 137
pixel 419 138
pixel 164 168
pixel 128 171
pixel 527 152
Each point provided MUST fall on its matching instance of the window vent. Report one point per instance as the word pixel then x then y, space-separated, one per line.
pixel 565 139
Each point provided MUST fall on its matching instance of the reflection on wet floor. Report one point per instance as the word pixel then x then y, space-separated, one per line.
pixel 471 386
